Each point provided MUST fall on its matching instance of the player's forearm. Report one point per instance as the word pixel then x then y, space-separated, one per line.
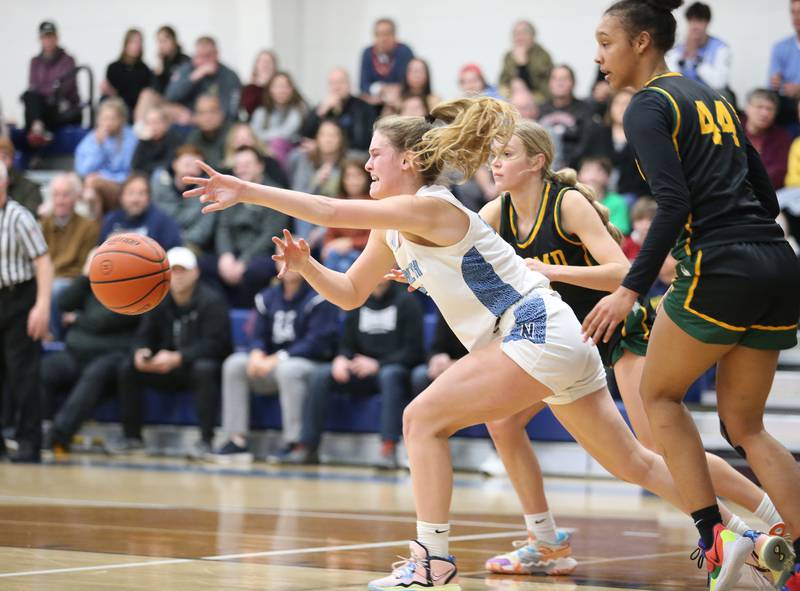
pixel 607 277
pixel 311 208
pixel 43 268
pixel 333 286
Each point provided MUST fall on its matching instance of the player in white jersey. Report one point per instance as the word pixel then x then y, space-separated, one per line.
pixel 525 343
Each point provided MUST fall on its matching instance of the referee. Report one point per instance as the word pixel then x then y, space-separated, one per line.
pixel 26 279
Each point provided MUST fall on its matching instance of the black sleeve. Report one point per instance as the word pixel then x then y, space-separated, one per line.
pixel 215 333
pixel 274 171
pixel 759 180
pixel 74 295
pixel 409 325
pixel 311 125
pixel 147 333
pixel 348 342
pixel 648 127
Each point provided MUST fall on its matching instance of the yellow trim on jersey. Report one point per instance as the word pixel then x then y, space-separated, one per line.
pixel 540 217
pixel 586 258
pixel 677 115
pixel 639 168
pixel 646 330
pixel 687 245
pixel 690 295
pixel 664 75
pixel 556 217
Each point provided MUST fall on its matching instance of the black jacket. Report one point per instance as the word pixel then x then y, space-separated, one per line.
pixel 199 330
pixel 388 329
pixel 356 118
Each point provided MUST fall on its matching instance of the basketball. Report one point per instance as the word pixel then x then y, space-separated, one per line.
pixel 130 274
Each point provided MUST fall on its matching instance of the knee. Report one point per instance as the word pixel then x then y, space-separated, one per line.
pixel 235 365
pixel 293 368
pixel 505 430
pixel 737 430
pixel 392 374
pixel 204 370
pixel 419 421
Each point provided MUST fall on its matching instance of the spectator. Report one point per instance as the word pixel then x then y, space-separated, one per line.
pixel 70 238
pixel 205 75
pixel 784 69
pixel 417 82
pixel 129 75
pixel 642 214
pixel 383 64
pixel 241 135
pixel 137 214
pixel 380 343
pixel 523 100
pixel 19 188
pixel 51 100
pixel 167 187
pixel 104 156
pixel 178 346
pixel 211 130
pixel 26 277
pixel 318 172
pixel 342 246
pixel 157 144
pixel 352 114
pixel 607 140
pixel 446 349
pixel 528 61
pixel 170 56
pixel 97 343
pixel 264 69
pixel 595 172
pixel 414 106
pixel 702 57
pixel 295 331
pixel 566 117
pixel 279 120
pixel 244 238
pixel 473 83
pixel 771 141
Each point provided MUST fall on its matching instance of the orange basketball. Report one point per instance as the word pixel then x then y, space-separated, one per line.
pixel 130 274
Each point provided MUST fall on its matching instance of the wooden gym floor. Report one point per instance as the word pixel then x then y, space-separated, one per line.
pixel 87 523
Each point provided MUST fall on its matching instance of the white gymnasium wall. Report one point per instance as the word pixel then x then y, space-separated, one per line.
pixel 312 36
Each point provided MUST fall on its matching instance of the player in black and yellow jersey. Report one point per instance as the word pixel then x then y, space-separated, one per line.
pixel 555 224
pixel 736 300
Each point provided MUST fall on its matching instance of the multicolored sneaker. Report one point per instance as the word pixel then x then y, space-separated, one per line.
pixel 421 571
pixel 725 559
pixel 534 556
pixel 773 556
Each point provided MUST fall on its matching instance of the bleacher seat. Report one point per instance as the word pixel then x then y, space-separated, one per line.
pixel 64 143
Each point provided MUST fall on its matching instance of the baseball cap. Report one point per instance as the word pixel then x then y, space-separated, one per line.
pixel 180 256
pixel 47 28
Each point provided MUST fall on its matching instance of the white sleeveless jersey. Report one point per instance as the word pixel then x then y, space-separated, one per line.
pixel 474 281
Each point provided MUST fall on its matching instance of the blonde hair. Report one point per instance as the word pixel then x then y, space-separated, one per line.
pixel 536 140
pixel 463 144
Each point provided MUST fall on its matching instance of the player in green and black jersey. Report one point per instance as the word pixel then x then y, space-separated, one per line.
pixel 736 299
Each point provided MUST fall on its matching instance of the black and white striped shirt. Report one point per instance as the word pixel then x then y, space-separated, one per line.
pixel 21 241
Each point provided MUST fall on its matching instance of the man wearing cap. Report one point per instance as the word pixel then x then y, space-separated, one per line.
pixel 179 346
pixel 51 100
pixel 26 278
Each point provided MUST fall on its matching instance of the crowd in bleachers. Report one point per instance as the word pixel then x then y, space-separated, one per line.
pixel 153 122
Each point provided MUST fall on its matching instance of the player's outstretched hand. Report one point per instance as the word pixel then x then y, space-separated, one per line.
pixel 398 276
pixel 600 323
pixel 219 191
pixel 294 254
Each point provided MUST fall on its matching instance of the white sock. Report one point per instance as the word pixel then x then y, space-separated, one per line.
pixel 541 526
pixel 767 513
pixel 737 525
pixel 434 536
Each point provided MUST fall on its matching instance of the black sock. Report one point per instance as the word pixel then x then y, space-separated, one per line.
pixel 704 521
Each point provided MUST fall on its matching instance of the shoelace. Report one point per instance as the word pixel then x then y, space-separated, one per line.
pixel 698 554
pixel 410 563
pixel 521 543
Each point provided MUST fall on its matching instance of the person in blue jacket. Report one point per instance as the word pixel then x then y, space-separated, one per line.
pixel 295 332
pixel 138 215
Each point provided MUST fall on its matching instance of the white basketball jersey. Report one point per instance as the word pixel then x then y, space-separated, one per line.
pixel 474 281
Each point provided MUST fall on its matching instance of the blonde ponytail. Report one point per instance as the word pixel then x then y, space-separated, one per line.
pixel 463 144
pixel 569 177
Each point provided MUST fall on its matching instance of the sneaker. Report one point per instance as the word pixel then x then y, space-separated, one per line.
pixel 388 460
pixel 774 556
pixel 200 450
pixel 725 559
pixel 26 453
pixel 230 453
pixel 127 446
pixel 534 557
pixel 421 571
pixel 301 455
pixel 492 466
